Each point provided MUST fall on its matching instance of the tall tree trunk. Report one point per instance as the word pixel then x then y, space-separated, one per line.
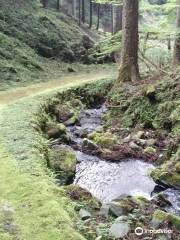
pixel 83 11
pixel 112 18
pixel 74 8
pixel 98 15
pixel 118 18
pixel 58 5
pixel 129 69
pixel 90 13
pixel 44 3
pixel 176 58
pixel 79 9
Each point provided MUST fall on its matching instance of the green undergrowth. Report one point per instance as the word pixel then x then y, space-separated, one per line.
pixel 151 107
pixel 40 209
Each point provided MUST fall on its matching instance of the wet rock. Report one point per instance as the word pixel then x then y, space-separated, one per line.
pixel 84 214
pixel 134 146
pixel 80 132
pixel 104 210
pixel 63 113
pixel 89 145
pixel 121 207
pixel 99 129
pixel 71 121
pixel 119 229
pixel 54 130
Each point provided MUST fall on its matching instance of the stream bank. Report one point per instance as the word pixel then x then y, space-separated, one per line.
pixel 102 164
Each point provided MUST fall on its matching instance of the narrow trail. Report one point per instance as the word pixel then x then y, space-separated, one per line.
pixel 10 96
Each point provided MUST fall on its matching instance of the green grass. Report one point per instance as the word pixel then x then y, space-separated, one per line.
pixel 42 210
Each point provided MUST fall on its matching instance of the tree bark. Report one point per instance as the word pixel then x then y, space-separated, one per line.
pixel 176 58
pixel 112 19
pixel 83 11
pixel 129 69
pixel 74 8
pixel 44 3
pixel 79 8
pixel 90 13
pixel 58 5
pixel 98 16
pixel 118 18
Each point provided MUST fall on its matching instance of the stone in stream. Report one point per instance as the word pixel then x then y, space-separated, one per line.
pixel 104 210
pixel 122 206
pixel 89 145
pixel 119 228
pixel 84 214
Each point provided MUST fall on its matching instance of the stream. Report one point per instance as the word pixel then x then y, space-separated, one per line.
pixel 108 180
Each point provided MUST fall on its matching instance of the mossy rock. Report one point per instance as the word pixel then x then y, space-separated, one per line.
pixel 150 150
pixel 63 161
pixel 82 197
pixel 104 140
pixel 54 130
pixel 167 173
pixel 161 217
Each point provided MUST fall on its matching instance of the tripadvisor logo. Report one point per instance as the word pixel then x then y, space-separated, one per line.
pixel 140 231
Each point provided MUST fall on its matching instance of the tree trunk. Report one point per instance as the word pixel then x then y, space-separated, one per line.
pixel 58 5
pixel 98 15
pixel 118 18
pixel 44 3
pixel 83 11
pixel 176 58
pixel 129 69
pixel 90 13
pixel 79 7
pixel 74 8
pixel 112 19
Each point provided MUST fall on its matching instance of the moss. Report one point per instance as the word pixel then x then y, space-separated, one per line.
pixel 161 217
pixel 150 150
pixel 54 130
pixel 63 161
pixel 167 173
pixel 105 140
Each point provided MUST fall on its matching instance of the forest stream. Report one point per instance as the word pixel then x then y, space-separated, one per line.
pixel 108 180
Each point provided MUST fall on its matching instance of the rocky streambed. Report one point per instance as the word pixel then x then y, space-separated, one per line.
pixel 110 180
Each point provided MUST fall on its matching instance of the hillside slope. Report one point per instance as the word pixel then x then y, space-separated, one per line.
pixel 30 36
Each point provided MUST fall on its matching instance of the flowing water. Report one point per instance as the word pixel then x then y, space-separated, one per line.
pixel 109 180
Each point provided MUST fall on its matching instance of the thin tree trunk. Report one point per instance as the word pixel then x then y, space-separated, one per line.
pixel 79 7
pixel 169 42
pixel 129 69
pixel 90 13
pixel 118 18
pixel 176 58
pixel 98 16
pixel 58 5
pixel 83 11
pixel 44 3
pixel 74 8
pixel 112 19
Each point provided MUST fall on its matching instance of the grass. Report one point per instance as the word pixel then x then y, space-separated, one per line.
pixel 41 210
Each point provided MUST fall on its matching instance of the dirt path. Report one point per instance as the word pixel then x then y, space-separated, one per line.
pixel 10 96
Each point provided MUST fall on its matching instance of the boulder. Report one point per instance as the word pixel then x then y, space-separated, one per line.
pixel 150 150
pixel 63 161
pixel 119 229
pixel 84 214
pixel 104 210
pixel 54 130
pixel 63 113
pixel 134 146
pixel 89 145
pixel 119 207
